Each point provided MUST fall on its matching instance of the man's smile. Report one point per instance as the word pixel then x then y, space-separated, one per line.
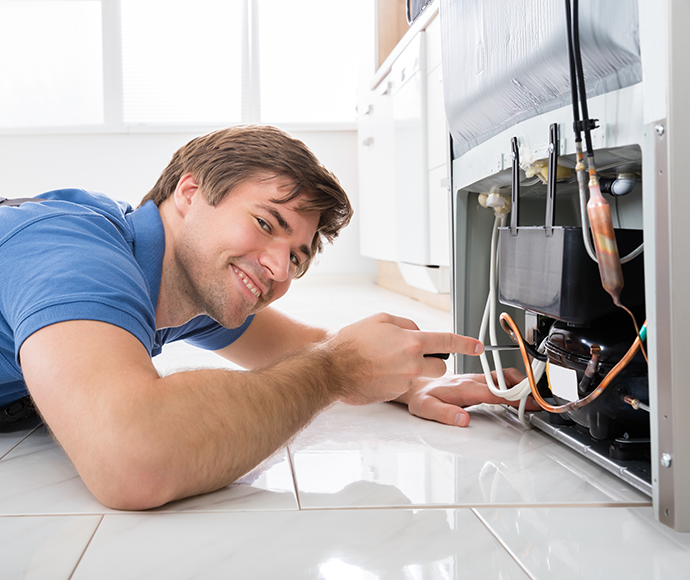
pixel 247 282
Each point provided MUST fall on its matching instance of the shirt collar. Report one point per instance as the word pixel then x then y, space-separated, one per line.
pixel 149 245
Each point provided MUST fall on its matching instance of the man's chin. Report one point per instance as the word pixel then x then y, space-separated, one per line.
pixel 237 319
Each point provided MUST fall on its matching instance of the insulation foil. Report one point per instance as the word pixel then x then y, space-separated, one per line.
pixel 505 61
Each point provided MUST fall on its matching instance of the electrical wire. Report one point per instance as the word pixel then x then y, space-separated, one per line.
pixel 512 329
pixel 522 390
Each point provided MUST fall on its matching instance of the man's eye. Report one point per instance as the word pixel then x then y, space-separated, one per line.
pixel 263 224
pixel 294 259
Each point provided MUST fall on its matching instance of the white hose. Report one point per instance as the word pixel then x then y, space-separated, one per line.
pixel 522 390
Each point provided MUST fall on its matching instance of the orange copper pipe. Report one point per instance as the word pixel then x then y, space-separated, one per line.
pixel 512 329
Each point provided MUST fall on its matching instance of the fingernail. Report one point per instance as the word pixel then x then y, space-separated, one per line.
pixel 479 349
pixel 461 420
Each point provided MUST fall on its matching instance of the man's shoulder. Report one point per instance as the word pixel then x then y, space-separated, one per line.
pixel 67 211
pixel 86 199
pixel 73 202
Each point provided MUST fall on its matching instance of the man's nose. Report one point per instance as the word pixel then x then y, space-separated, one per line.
pixel 276 259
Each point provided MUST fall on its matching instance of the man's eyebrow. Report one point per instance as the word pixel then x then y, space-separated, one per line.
pixel 286 227
pixel 282 222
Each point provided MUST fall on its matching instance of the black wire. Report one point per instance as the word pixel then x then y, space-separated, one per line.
pixel 581 80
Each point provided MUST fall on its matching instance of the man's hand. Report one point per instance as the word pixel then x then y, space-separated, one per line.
pixel 443 399
pixel 380 357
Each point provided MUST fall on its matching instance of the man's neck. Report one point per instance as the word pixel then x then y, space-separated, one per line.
pixel 173 309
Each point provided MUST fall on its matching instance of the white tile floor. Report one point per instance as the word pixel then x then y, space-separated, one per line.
pixel 362 493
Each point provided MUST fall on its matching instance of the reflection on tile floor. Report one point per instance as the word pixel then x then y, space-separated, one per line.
pixel 364 493
pixel 270 486
pixel 382 456
pixel 337 545
pixel 593 543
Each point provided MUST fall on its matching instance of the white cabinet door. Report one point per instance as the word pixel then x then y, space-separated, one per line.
pixel 409 113
pixel 376 156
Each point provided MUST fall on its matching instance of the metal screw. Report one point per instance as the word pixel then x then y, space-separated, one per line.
pixel 666 460
pixel 659 130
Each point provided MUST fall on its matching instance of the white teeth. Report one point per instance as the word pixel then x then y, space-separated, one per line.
pixel 253 289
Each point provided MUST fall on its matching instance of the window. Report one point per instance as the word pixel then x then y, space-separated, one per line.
pixel 180 62
pixel 309 58
pixel 51 63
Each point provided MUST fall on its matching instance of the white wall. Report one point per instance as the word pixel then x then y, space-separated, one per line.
pixel 126 165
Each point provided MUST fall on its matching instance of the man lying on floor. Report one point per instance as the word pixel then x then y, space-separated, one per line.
pixel 91 290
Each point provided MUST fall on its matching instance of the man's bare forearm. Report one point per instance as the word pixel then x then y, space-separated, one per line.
pixel 139 440
pixel 227 422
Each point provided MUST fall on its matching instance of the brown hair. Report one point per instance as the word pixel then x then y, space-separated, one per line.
pixel 224 159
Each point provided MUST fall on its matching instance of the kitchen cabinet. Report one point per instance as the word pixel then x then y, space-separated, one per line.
pixel 403 162
pixel 376 158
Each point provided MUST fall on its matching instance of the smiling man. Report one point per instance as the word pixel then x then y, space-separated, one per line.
pixel 92 289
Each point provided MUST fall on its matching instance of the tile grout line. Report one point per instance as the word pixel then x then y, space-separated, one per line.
pixel 86 548
pixel 294 477
pixel 613 505
pixel 21 441
pixel 503 544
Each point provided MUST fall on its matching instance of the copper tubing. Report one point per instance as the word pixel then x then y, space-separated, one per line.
pixel 636 404
pixel 511 328
pixel 604 240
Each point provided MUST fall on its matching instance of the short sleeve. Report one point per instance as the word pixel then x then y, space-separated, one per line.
pixel 78 266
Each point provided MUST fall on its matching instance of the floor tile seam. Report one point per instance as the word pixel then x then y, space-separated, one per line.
pixel 381 508
pixel 54 515
pixel 20 442
pixel 563 505
pixel 484 506
pixel 589 505
pixel 98 525
pixel 120 514
pixel 294 476
pixel 503 544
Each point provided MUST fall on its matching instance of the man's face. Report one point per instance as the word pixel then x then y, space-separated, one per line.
pixel 239 256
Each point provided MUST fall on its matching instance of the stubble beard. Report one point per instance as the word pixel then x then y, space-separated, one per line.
pixel 213 293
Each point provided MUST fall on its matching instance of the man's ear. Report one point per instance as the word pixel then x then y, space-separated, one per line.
pixel 185 192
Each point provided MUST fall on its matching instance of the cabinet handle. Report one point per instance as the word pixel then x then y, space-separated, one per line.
pixel 368 141
pixel 370 110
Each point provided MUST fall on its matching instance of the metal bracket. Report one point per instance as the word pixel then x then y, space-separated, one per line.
pixel 551 185
pixel 515 193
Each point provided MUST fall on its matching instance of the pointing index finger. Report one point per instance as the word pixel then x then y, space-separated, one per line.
pixel 447 342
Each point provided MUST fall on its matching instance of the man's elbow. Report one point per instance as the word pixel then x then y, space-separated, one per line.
pixel 130 489
pixel 126 481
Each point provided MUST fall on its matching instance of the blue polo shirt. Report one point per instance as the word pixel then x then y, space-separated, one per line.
pixel 84 256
